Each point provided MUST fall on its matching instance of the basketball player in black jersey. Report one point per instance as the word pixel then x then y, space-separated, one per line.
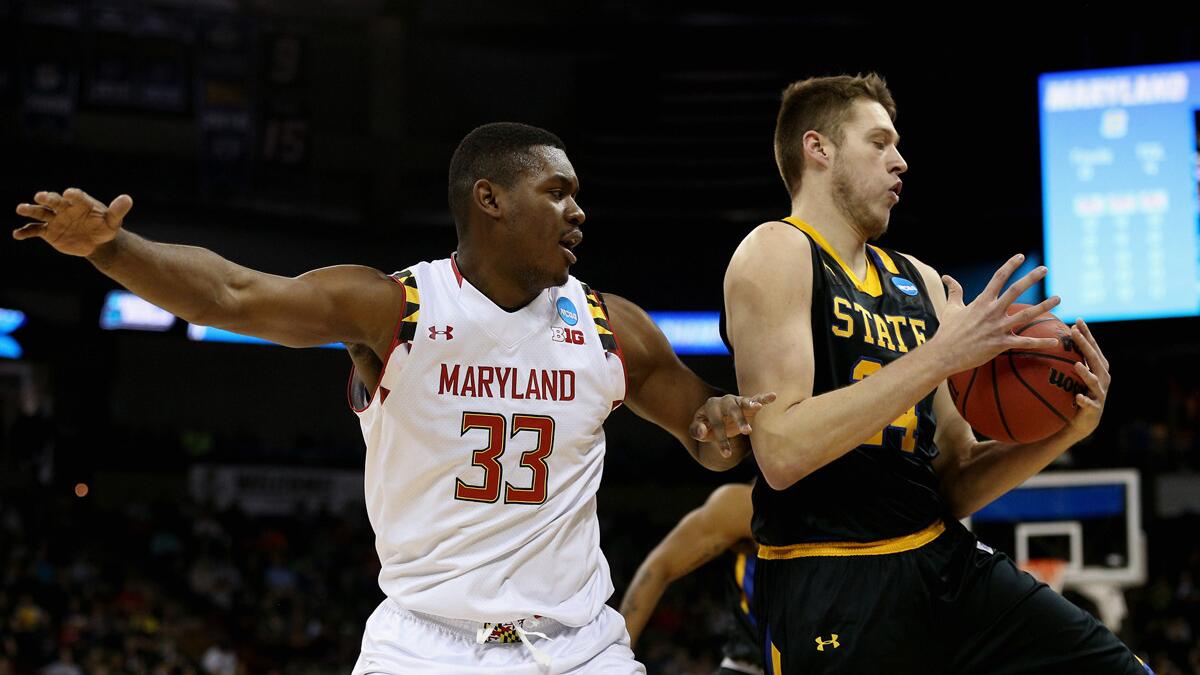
pixel 720 525
pixel 866 464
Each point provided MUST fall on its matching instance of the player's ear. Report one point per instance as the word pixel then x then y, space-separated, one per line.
pixel 487 197
pixel 816 148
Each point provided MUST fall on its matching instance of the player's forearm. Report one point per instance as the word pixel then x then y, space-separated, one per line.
pixel 793 441
pixel 188 281
pixel 643 595
pixel 992 468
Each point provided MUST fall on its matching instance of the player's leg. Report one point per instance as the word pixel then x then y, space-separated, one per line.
pixel 1000 620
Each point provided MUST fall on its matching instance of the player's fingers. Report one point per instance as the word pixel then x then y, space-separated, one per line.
pixel 30 230
pixel 723 442
pixel 1021 285
pixel 1021 342
pixel 1033 312
pixel 763 399
pixel 1087 332
pixel 1094 360
pixel 735 421
pixel 119 207
pixel 51 200
pixel 77 197
pixel 35 211
pixel 1095 387
pixel 1001 276
pixel 699 429
pixel 954 291
pixel 1087 401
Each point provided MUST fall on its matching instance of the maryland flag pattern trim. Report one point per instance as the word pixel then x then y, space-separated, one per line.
pixel 608 339
pixel 412 306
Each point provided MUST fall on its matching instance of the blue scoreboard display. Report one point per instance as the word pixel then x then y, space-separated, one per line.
pixel 1120 170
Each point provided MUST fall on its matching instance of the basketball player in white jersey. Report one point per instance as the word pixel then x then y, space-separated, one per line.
pixel 487 378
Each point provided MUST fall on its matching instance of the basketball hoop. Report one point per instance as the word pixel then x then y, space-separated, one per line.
pixel 1049 571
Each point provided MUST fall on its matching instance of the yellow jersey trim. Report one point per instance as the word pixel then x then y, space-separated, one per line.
pixel 885 258
pixel 739 573
pixel 853 548
pixel 871 285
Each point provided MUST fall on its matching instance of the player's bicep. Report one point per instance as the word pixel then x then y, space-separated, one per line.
pixel 344 303
pixel 768 296
pixel 662 389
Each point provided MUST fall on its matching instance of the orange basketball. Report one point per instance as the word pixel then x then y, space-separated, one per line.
pixel 1022 396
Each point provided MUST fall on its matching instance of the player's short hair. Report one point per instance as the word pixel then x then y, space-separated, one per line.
pixel 498 152
pixel 820 104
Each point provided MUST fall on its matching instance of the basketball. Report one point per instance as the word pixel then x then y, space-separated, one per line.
pixel 1022 396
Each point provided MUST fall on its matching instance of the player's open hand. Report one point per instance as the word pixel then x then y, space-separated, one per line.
pixel 73 223
pixel 973 334
pixel 1097 378
pixel 725 417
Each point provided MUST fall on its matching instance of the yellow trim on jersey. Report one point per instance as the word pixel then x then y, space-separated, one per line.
pixel 412 298
pixel 853 548
pixel 739 573
pixel 887 259
pixel 598 316
pixel 776 660
pixel 871 285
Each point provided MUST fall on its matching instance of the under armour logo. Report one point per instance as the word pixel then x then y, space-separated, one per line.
pixel 832 641
pixel 434 332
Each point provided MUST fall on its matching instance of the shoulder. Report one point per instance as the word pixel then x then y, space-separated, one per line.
pixel 731 494
pixel 931 277
pixel 634 324
pixel 730 509
pixel 771 273
pixel 933 282
pixel 770 243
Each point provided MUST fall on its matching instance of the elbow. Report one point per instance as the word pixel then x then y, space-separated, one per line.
pixel 957 507
pixel 782 479
pixel 956 500
pixel 657 571
pixel 779 470
pixel 960 513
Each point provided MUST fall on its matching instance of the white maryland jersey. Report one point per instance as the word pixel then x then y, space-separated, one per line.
pixel 485 448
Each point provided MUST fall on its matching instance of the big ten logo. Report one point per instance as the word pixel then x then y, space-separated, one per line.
pixel 567 335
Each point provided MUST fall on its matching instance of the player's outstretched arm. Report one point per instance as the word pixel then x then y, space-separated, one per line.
pixel 702 535
pixel 709 423
pixel 972 472
pixel 344 303
pixel 768 304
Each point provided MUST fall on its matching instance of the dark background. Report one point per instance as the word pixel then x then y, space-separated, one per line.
pixel 293 135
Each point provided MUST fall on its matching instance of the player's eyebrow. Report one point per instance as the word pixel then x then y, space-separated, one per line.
pixel 891 135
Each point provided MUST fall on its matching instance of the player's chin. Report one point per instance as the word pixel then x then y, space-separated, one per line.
pixel 878 228
pixel 554 274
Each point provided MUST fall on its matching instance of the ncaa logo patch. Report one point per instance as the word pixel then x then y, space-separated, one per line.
pixel 906 287
pixel 567 311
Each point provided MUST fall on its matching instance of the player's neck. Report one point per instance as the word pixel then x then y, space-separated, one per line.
pixel 485 274
pixel 824 217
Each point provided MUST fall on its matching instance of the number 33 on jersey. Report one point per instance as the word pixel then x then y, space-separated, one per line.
pixel 492 422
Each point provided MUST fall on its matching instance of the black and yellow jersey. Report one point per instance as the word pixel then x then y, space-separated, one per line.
pixel 886 487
